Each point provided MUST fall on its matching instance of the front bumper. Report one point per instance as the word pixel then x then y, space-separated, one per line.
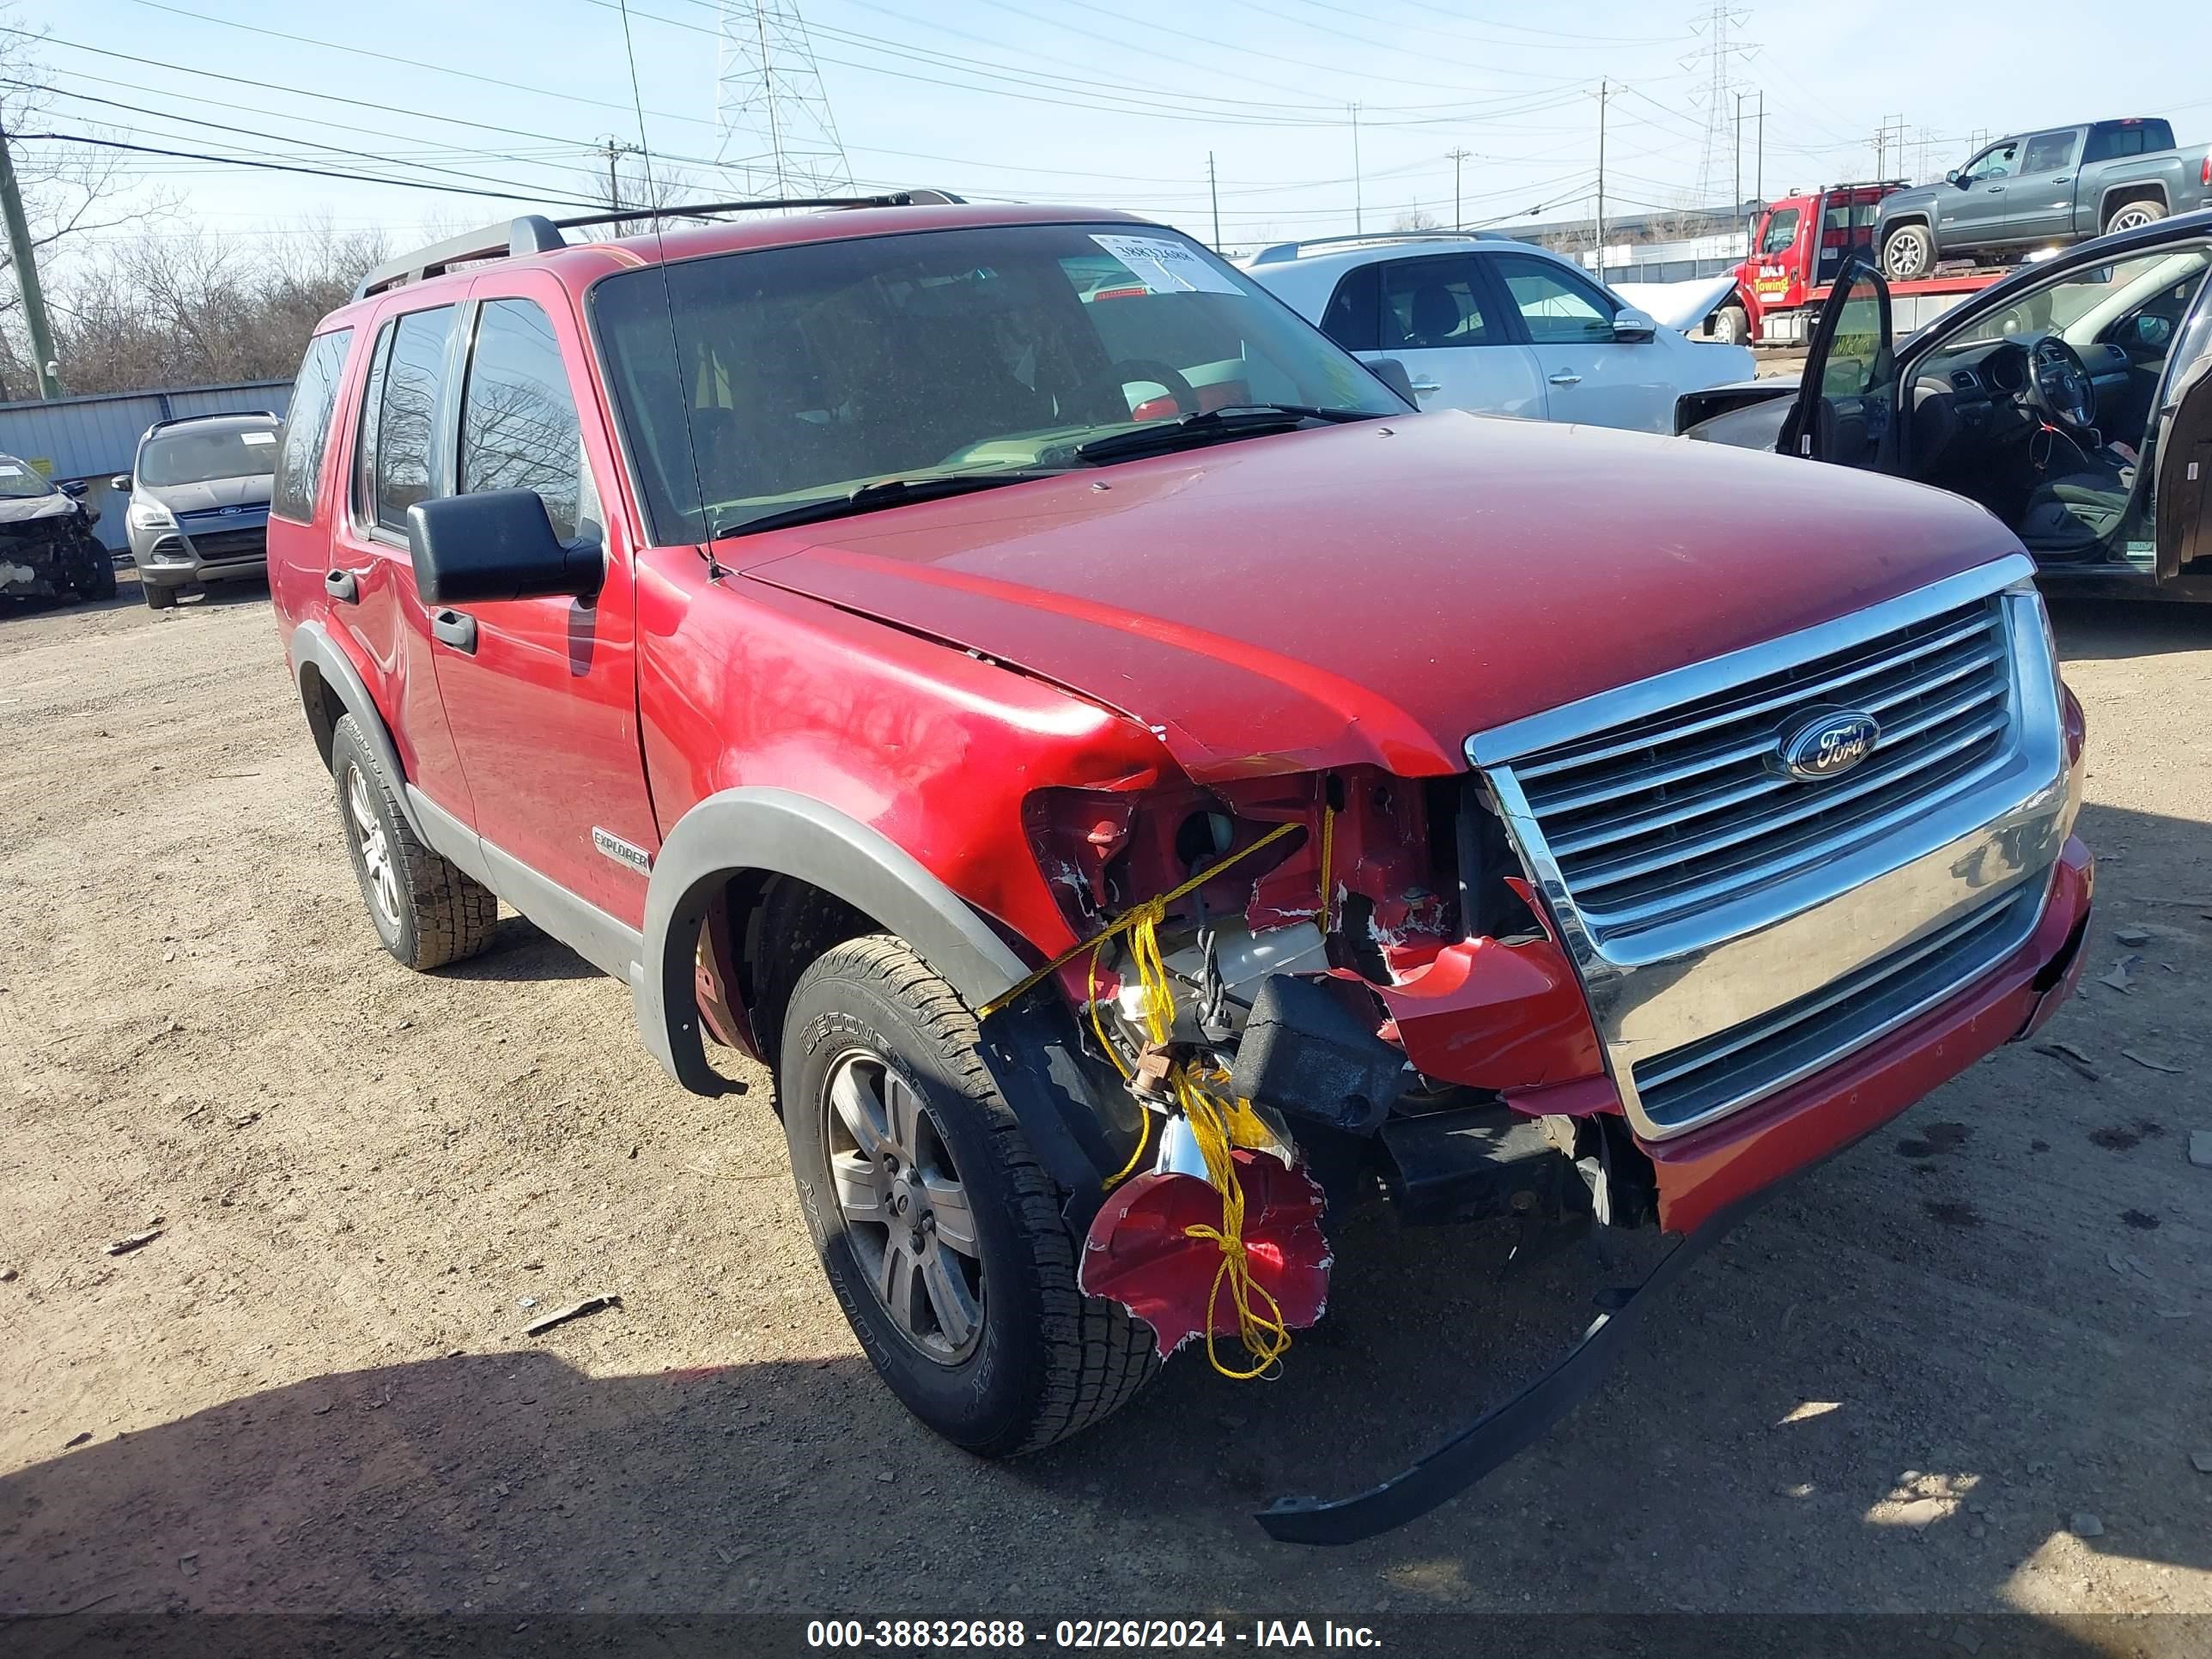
pixel 1707 1170
pixel 1712 1178
pixel 171 560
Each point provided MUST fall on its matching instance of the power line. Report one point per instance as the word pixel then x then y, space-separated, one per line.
pixel 286 166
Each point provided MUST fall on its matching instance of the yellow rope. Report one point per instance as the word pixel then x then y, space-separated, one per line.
pixel 1218 1123
pixel 1155 908
pixel 1328 853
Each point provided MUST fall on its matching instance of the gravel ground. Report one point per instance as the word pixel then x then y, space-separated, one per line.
pixel 1895 1389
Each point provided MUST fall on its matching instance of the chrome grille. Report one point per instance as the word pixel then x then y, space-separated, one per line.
pixel 1680 811
pixel 1732 1068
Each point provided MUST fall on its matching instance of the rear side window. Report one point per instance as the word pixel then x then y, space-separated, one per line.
pixel 2111 139
pixel 2047 152
pixel 307 428
pixel 1354 310
pixel 400 415
pixel 1431 303
pixel 518 428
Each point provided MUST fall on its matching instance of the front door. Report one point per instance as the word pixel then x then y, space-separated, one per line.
pixel 1972 212
pixel 541 693
pixel 1590 374
pixel 1847 401
pixel 2040 199
pixel 1440 321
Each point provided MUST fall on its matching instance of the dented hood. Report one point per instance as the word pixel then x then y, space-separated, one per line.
pixel 1376 592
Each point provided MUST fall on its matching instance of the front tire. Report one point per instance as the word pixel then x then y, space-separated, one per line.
pixel 1731 326
pixel 157 596
pixel 940 1233
pixel 2133 216
pixel 426 911
pixel 1907 252
pixel 99 580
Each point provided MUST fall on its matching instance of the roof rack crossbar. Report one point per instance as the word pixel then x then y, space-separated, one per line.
pixel 533 233
pixel 1278 252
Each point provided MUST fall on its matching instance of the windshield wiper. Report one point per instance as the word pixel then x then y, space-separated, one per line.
pixel 884 492
pixel 1231 421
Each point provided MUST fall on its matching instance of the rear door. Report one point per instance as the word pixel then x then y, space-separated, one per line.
pixel 371 582
pixel 2040 200
pixel 1847 400
pixel 1438 317
pixel 1590 375
pixel 542 693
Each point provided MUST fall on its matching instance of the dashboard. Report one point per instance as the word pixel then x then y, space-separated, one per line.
pixel 1977 394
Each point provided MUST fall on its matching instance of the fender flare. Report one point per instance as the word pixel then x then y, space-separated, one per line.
pixel 2153 187
pixel 311 648
pixel 778 831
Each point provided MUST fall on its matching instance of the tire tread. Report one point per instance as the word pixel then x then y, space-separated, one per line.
pixel 1099 1355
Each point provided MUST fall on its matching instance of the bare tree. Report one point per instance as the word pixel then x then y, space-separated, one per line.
pixel 1417 218
pixel 71 194
pixel 186 308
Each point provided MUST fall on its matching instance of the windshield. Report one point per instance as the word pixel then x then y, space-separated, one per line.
pixel 189 456
pixel 751 382
pixel 18 481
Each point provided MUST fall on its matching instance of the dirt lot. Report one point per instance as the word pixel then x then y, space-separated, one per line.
pixel 1893 1390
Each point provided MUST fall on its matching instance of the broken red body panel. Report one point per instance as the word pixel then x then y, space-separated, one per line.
pixel 1139 1252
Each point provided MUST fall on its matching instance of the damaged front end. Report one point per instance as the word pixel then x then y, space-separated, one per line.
pixel 1296 994
pixel 47 548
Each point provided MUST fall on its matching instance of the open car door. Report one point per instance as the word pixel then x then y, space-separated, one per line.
pixel 1846 408
pixel 2184 459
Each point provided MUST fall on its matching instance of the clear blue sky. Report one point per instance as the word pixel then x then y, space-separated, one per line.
pixel 1114 106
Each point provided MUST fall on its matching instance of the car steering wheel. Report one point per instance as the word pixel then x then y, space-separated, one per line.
pixel 2058 384
pixel 1129 369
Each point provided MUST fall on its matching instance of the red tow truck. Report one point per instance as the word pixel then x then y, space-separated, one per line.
pixel 1797 246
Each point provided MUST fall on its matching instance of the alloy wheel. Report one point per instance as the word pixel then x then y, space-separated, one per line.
pixel 907 1215
pixel 382 875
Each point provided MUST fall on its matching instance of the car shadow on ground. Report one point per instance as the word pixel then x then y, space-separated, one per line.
pixel 519 951
pixel 2113 631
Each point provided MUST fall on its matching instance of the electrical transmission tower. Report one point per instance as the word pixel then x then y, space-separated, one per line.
pixel 1720 53
pixel 777 132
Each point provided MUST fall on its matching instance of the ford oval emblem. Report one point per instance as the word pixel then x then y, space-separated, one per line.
pixel 1827 743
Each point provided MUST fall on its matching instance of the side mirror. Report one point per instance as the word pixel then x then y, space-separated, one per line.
pixel 1952 177
pixel 1632 327
pixel 73 488
pixel 495 545
pixel 120 481
pixel 1392 373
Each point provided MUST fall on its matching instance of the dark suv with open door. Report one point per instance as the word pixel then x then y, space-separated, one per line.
pixel 2073 400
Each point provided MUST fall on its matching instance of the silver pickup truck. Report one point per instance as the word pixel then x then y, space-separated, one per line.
pixel 2040 189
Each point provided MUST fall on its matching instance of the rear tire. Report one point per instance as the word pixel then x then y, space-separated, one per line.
pixel 426 912
pixel 940 1233
pixel 157 596
pixel 1731 326
pixel 2133 216
pixel 1907 252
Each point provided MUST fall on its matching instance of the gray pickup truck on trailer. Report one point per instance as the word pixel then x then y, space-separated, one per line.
pixel 2040 189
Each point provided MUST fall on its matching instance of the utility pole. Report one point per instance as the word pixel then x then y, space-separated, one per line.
pixel 1457 156
pixel 614 149
pixel 1735 193
pixel 1213 189
pixel 1758 185
pixel 1358 216
pixel 1602 91
pixel 25 258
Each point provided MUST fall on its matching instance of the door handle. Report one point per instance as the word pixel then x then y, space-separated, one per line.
pixel 341 586
pixel 2063 179
pixel 1566 377
pixel 455 628
pixel 1422 388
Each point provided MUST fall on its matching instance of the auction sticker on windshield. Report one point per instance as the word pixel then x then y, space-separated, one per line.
pixel 1165 266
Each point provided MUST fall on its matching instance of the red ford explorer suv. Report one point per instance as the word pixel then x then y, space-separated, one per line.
pixel 1141 787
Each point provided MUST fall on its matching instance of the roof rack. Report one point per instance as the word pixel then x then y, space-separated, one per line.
pixel 1279 252
pixel 533 233
pixel 212 415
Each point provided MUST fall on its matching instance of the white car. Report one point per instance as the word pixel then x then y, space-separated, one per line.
pixel 1500 327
